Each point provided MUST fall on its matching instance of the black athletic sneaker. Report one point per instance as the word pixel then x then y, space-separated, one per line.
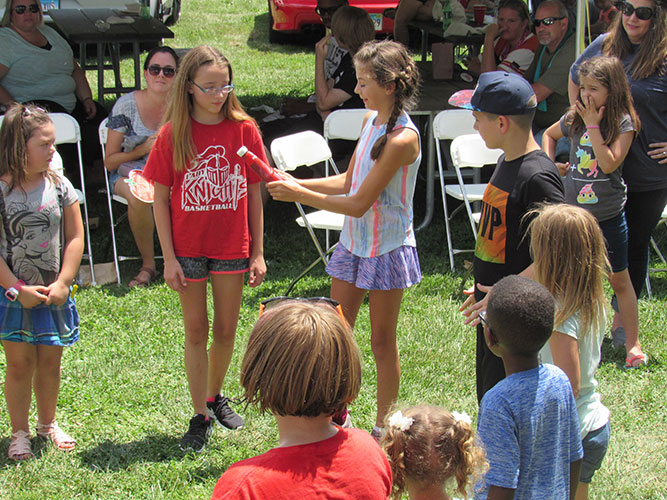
pixel 198 433
pixel 220 411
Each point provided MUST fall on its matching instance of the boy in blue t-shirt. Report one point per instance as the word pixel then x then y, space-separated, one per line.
pixel 528 421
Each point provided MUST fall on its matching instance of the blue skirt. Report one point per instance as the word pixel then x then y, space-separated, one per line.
pixel 396 269
pixel 41 325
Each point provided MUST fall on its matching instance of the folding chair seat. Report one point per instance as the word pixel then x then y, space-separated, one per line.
pixel 306 149
pixel 68 132
pixel 467 151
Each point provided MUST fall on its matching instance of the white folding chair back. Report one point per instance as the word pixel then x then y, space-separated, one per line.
pixel 467 151
pixel 448 125
pixel 306 149
pixel 344 124
pixel 68 132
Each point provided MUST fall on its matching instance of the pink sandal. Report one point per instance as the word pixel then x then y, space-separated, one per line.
pixel 19 447
pixel 53 433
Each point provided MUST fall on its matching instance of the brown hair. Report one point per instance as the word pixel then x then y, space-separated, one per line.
pixel 434 448
pixel 651 54
pixel 352 27
pixel 608 71
pixel 6 20
pixel 519 6
pixel 389 62
pixel 301 360
pixel 570 258
pixel 180 105
pixel 19 123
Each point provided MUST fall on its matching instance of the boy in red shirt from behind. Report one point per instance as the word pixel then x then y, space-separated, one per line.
pixel 303 365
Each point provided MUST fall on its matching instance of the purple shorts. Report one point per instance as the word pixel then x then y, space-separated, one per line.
pixel 396 269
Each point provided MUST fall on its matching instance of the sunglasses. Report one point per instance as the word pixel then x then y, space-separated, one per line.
pixel 214 90
pixel 328 11
pixel 275 301
pixel 642 13
pixel 482 318
pixel 20 9
pixel 167 71
pixel 547 21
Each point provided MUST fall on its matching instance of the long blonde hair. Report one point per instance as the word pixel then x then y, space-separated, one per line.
pixel 20 122
pixel 570 258
pixel 180 105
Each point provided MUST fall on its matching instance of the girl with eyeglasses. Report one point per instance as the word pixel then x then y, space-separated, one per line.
pixel 208 214
pixel 133 124
pixel 377 253
pixel 638 37
pixel 41 244
pixel 37 66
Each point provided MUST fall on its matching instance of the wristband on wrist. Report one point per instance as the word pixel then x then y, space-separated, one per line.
pixel 12 293
pixel 592 126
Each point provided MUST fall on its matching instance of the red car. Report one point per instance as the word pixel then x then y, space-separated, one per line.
pixel 297 16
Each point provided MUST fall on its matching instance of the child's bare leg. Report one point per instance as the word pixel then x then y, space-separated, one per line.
pixel 349 297
pixel 627 305
pixel 46 382
pixel 227 295
pixel 384 308
pixel 21 362
pixel 582 492
pixel 195 319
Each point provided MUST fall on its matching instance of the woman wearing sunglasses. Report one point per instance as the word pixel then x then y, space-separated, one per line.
pixel 37 65
pixel 638 37
pixel 133 125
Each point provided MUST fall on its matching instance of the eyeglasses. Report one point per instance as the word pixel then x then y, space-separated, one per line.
pixel 328 11
pixel 167 71
pixel 215 90
pixel 642 13
pixel 20 9
pixel 275 301
pixel 482 318
pixel 547 21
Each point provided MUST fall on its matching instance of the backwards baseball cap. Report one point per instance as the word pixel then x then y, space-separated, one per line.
pixel 497 92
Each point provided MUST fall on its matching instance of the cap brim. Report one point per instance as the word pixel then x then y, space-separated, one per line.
pixel 462 98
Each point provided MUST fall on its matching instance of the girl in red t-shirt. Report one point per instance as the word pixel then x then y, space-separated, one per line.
pixel 208 214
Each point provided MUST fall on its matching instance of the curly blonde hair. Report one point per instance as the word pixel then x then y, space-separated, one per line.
pixel 435 448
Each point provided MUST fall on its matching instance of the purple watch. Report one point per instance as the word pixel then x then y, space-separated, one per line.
pixel 12 293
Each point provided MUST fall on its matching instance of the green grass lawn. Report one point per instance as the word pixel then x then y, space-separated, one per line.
pixel 124 395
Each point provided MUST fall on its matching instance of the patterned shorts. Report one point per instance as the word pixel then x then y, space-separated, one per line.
pixel 198 268
pixel 396 269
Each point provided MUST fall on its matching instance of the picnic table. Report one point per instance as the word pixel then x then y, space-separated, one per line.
pixel 91 27
pixel 434 28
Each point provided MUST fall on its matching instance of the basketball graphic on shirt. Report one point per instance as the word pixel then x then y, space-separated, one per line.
pixel 587 196
pixel 213 183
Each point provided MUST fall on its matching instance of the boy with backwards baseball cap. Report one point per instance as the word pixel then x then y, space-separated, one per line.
pixel 503 105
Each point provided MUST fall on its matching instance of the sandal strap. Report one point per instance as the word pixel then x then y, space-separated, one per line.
pixel 19 445
pixel 55 434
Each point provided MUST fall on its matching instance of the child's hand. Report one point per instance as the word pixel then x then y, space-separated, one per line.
pixel 287 190
pixel 257 271
pixel 322 47
pixel 471 308
pixel 563 168
pixel 589 114
pixel 173 275
pixel 32 296
pixel 57 293
pixel 659 152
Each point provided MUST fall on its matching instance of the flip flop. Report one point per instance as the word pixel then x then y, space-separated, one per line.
pixel 636 361
pixel 139 281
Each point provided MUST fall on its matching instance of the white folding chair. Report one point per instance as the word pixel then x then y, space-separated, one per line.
pixel 467 151
pixel 68 132
pixel 343 124
pixel 663 220
pixel 308 148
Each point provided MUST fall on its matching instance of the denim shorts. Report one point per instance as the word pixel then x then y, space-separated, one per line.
pixel 198 268
pixel 595 448
pixel 615 231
